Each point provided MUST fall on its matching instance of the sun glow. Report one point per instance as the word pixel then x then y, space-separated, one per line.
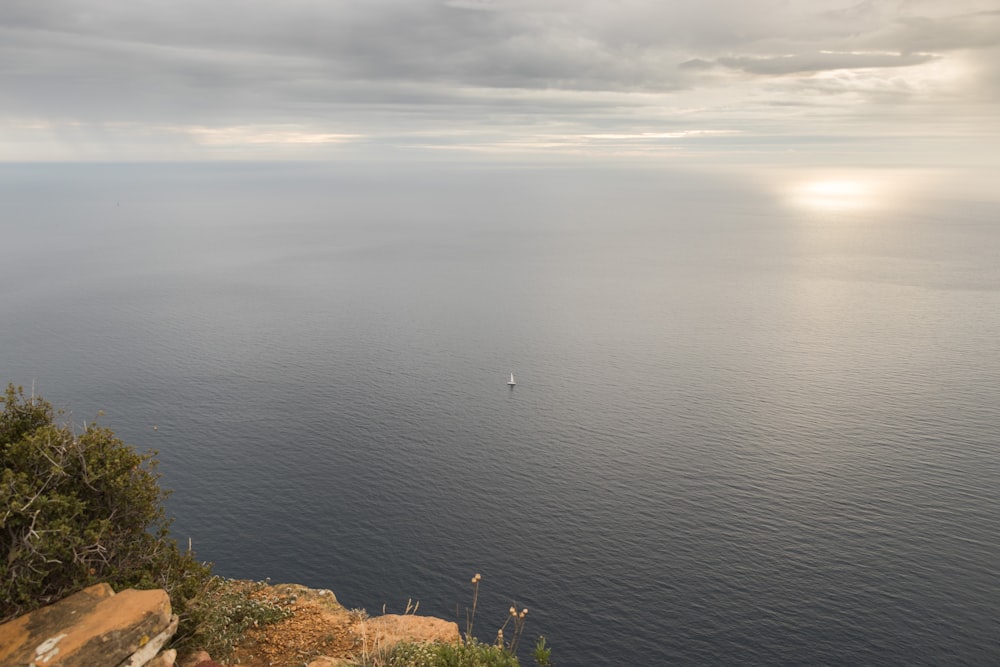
pixel 835 194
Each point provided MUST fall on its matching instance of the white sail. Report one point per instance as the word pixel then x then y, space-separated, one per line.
pixel 511 383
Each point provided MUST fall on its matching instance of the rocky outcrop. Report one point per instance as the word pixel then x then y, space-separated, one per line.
pixel 92 628
pixel 388 630
pixel 322 633
pixel 98 628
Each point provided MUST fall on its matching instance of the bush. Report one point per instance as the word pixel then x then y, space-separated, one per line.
pixel 225 609
pixel 78 509
pixel 470 653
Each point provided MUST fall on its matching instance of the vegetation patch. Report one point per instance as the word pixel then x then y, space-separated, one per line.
pixel 79 508
pixel 226 609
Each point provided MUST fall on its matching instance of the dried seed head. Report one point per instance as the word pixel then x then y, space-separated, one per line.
pixel 513 612
pixel 476 578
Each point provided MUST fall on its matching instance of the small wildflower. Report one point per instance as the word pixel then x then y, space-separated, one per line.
pixel 476 578
pixel 513 612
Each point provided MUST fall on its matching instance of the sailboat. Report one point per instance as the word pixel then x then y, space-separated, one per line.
pixel 511 383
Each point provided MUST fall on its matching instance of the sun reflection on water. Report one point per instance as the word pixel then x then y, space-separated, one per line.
pixel 835 194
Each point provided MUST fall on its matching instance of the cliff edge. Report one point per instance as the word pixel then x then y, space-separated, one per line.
pixel 97 627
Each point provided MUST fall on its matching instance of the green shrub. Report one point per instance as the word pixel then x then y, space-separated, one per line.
pixel 225 609
pixel 469 651
pixel 462 654
pixel 78 509
pixel 542 654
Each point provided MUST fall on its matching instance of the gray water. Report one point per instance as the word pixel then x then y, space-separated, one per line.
pixel 744 431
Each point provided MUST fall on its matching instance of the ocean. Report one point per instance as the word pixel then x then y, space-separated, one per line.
pixel 756 421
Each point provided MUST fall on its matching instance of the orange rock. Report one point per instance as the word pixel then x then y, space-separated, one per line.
pixel 164 659
pixel 195 659
pixel 92 627
pixel 388 630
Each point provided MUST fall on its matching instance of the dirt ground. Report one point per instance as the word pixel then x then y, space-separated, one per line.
pixel 319 625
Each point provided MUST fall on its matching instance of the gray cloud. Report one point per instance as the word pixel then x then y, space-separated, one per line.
pixel 960 31
pixel 626 46
pixel 823 61
pixel 397 66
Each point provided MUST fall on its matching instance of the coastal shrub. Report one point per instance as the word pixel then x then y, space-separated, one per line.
pixel 467 653
pixel 223 611
pixel 542 653
pixel 470 653
pixel 81 508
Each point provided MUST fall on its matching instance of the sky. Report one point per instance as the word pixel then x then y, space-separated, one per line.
pixel 877 82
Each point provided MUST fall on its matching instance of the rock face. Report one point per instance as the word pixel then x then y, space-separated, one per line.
pixel 97 628
pixel 92 628
pixel 390 629
pixel 322 633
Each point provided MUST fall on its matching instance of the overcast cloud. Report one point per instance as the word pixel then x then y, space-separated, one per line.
pixel 161 79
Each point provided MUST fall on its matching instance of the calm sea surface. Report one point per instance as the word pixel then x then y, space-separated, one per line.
pixel 745 430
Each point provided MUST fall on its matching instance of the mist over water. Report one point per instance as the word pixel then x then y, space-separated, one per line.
pixel 748 427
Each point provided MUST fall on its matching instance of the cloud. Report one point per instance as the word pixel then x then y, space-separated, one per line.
pixel 477 5
pixel 585 45
pixel 937 32
pixel 243 135
pixel 406 68
pixel 823 61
